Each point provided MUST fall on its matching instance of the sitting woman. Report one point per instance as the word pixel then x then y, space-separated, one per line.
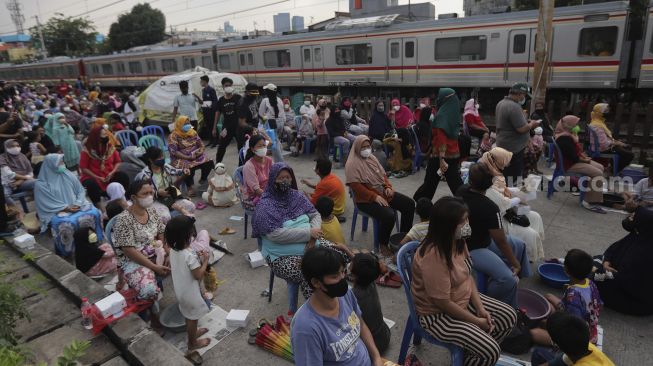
pixel 91 258
pixel 354 124
pixel 380 124
pixel 20 166
pixel 575 161
pixel 161 175
pixel 533 235
pixel 99 163
pixel 373 193
pixel 132 162
pixel 448 305
pixel 286 222
pixel 473 120
pixel 116 192
pixel 607 143
pixel 187 152
pixel 628 260
pixel 61 204
pixel 63 137
pixel 255 171
pixel 403 115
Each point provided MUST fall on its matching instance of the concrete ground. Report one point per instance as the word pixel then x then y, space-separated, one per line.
pixel 567 226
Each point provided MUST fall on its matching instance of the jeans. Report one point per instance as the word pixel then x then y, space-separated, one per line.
pixel 359 129
pixel 386 215
pixel 431 179
pixel 27 185
pixel 345 143
pixel 502 284
pixel 515 169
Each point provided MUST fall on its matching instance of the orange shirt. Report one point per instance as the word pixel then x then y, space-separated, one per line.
pixel 332 187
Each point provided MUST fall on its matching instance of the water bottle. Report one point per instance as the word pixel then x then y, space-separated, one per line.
pixel 87 320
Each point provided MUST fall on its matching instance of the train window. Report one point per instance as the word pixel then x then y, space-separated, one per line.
pixel 471 48
pixel 354 54
pixel 223 60
pixel 519 43
pixel 307 55
pixel 317 55
pixel 70 70
pixel 207 62
pixel 169 64
pixel 409 49
pixel 121 67
pixel 135 67
pixel 599 41
pixel 250 59
pixel 242 59
pixel 151 64
pixel 189 62
pixel 107 69
pixel 394 50
pixel 279 58
pixel 95 69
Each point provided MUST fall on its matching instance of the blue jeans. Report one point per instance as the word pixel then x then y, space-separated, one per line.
pixel 502 285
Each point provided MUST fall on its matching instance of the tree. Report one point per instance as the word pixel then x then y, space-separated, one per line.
pixel 142 26
pixel 67 36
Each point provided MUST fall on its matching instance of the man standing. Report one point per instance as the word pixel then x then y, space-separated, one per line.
pixel 513 130
pixel 63 88
pixel 227 107
pixel 186 104
pixel 209 110
pixel 248 107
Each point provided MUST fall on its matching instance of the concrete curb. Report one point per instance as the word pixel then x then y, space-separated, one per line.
pixel 138 344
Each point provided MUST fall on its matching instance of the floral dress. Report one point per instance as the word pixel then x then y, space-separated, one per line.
pixel 188 146
pixel 128 232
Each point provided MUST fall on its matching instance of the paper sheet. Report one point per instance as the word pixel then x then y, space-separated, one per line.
pixel 215 321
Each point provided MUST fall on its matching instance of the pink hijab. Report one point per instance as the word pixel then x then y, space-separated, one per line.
pixel 403 117
pixel 564 126
pixel 470 108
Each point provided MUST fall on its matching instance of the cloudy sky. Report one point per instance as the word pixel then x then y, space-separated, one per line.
pixel 194 14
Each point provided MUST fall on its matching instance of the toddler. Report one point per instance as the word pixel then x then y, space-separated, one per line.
pixel 37 151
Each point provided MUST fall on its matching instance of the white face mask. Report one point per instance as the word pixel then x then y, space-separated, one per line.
pixel 396 108
pixel 228 89
pixel 477 106
pixel 66 109
pixel 146 202
pixel 464 231
pixel 365 153
pixel 14 150
pixel 286 106
pixel 307 102
pixel 523 101
pixel 422 105
pixel 261 152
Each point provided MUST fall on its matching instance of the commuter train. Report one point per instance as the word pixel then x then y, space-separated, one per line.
pixel 592 50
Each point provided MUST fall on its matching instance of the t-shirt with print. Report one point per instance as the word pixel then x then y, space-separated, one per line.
pixel 228 110
pixel 584 301
pixel 319 340
pixel 418 231
pixel 248 109
pixel 186 106
pixel 484 215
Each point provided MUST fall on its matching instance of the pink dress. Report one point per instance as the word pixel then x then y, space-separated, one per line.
pixel 255 176
pixel 106 264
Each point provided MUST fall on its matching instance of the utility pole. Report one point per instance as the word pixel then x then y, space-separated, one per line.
pixel 44 50
pixel 16 12
pixel 542 51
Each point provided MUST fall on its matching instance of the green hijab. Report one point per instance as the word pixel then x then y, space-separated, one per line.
pixel 448 117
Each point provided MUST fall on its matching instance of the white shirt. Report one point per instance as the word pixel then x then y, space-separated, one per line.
pixel 266 111
pixel 129 113
pixel 187 288
pixel 308 110
pixel 186 106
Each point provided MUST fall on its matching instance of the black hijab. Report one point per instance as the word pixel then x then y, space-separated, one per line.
pixel 86 254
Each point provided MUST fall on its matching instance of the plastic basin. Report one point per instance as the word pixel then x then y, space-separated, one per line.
pixel 535 305
pixel 553 274
pixel 172 319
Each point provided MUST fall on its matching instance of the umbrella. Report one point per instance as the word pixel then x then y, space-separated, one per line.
pixel 275 340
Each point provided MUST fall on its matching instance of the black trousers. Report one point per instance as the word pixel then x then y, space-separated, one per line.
pixel 232 132
pixel 614 297
pixel 386 215
pixel 514 171
pixel 93 190
pixel 625 156
pixel 205 169
pixel 431 179
pixel 207 128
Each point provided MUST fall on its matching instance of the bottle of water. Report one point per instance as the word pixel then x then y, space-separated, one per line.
pixel 87 319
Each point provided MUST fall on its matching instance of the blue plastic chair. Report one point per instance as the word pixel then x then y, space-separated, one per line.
pixel 413 329
pixel 366 217
pixel 154 130
pixel 594 151
pixel 308 141
pixel 127 138
pixel 238 182
pixel 419 157
pixel 551 158
pixel 21 196
pixel 241 156
pixel 559 171
pixel 151 140
pixel 293 293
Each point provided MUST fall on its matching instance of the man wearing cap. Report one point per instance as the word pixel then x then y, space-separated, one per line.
pixel 209 109
pixel 186 104
pixel 228 108
pixel 513 130
pixel 248 109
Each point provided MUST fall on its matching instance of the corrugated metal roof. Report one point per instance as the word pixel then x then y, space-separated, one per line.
pixel 13 38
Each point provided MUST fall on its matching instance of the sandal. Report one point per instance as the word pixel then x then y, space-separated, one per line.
pixel 394 276
pixel 200 205
pixel 386 281
pixel 194 358
pixel 227 231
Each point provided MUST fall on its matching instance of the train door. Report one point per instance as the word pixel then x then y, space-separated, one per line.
pixel 312 65
pixel 318 65
pixel 402 60
pixel 520 56
pixel 246 65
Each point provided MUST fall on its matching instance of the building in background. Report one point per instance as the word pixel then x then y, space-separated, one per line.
pixel 16 48
pixel 297 23
pixel 479 7
pixel 281 22
pixel 412 11
pixel 228 28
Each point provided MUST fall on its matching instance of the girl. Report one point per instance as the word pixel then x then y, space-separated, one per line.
pixel 188 269
pixel 305 131
pixel 37 151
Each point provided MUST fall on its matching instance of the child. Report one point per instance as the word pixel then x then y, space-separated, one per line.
pixel 306 130
pixel 571 334
pixel 188 269
pixel 37 151
pixel 419 230
pixel 322 143
pixel 364 269
pixel 331 229
pixel 486 143
pixel 533 152
pixel 116 123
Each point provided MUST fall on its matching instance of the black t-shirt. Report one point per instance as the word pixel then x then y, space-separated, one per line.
pixel 248 109
pixel 484 215
pixel 368 301
pixel 228 110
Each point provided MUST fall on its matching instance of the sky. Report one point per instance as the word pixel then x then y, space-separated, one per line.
pixel 207 15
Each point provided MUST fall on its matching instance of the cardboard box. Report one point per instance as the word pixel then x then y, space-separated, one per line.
pixel 255 259
pixel 25 241
pixel 237 318
pixel 112 305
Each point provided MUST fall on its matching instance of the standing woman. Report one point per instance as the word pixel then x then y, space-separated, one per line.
pixel 187 152
pixel 445 153
pixel 448 304
pixel 99 163
pixel 63 137
pixel 270 110
pixel 373 192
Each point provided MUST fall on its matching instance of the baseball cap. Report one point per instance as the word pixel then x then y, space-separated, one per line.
pixel 252 88
pixel 270 87
pixel 521 88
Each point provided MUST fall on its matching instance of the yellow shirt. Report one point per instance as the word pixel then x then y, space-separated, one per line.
pixel 332 231
pixel 596 358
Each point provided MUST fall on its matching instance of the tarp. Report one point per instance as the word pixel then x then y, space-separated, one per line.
pixel 156 101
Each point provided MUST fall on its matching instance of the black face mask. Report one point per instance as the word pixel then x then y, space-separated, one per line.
pixel 104 140
pixel 338 289
pixel 160 162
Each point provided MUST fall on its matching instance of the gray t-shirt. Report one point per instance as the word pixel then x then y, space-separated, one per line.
pixel 510 117
pixel 186 106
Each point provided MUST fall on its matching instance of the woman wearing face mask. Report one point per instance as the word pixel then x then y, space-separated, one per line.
pixel 380 124
pixel 403 115
pixel 335 126
pixel 187 152
pixel 353 123
pixel 270 110
pixel 99 164
pixel 134 234
pixel 307 108
pixel 373 192
pixel 607 143
pixel 566 135
pixel 63 137
pixel 288 129
pixel 473 119
pixel 256 170
pixel 20 167
pixel 285 221
pixel 424 104
pixel 448 305
pixel 61 204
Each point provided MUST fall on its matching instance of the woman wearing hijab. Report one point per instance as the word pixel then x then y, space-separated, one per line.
pixel 575 161
pixel 424 104
pixel 338 131
pixel 353 123
pixel 103 122
pixel 286 222
pixel 116 192
pixel 187 152
pixel 445 153
pixel 629 261
pixel 373 192
pixel 607 143
pixel 380 124
pixel 90 258
pixel 473 119
pixel 132 164
pixel 99 164
pixel 403 115
pixel 61 204
pixel 63 137
pixel 20 166
pixel 533 235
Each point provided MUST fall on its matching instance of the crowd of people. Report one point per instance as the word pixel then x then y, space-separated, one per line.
pixel 61 148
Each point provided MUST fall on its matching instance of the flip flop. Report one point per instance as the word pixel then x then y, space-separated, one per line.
pixel 200 205
pixel 227 231
pixel 394 277
pixel 385 281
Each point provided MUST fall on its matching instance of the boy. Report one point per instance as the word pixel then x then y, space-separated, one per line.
pixel 329 185
pixel 571 334
pixel 330 225
pixel 418 231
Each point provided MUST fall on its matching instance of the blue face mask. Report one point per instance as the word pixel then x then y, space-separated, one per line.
pixel 186 128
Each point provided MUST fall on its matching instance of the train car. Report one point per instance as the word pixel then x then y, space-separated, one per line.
pixel 47 72
pixel 645 79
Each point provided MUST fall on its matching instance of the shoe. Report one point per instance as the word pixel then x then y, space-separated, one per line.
pixel 593 208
